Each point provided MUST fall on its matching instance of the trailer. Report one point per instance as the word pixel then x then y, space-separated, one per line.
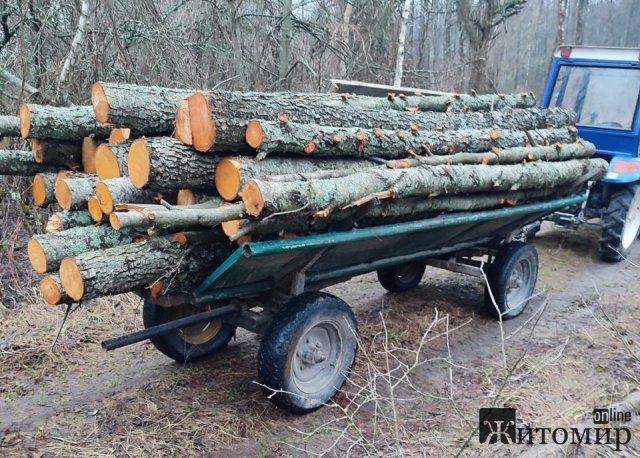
pixel 309 337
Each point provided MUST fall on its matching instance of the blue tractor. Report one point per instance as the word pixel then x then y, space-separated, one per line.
pixel 602 85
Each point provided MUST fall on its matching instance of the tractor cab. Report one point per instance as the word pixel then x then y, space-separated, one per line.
pixel 602 85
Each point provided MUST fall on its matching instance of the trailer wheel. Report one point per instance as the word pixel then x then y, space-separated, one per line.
pixel 620 223
pixel 402 277
pixel 306 355
pixel 512 279
pixel 187 344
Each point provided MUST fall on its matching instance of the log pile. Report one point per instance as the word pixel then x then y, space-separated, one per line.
pixel 155 186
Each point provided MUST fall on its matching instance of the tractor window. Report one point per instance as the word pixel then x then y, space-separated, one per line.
pixel 601 96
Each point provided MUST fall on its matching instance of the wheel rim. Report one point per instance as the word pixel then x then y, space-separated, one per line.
pixel 197 334
pixel 631 222
pixel 317 358
pixel 521 285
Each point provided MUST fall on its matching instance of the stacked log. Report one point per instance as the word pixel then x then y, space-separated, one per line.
pixel 157 186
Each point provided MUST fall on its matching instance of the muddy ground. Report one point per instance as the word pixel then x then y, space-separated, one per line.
pixel 576 347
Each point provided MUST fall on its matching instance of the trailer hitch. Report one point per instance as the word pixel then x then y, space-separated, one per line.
pixel 165 328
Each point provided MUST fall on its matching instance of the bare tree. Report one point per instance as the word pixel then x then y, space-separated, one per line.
pixel 562 16
pixel 406 9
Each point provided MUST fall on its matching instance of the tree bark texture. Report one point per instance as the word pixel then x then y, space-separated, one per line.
pixel 52 290
pixel 147 110
pixel 43 189
pixel 46 251
pixel 120 190
pixel 60 123
pixel 128 267
pixel 111 160
pixel 21 163
pixel 9 126
pixel 68 154
pixel 314 140
pixel 262 198
pixel 61 221
pixel 163 163
pixel 72 193
pixel 223 129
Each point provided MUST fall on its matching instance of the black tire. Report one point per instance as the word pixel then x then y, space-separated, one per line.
pixel 188 344
pixel 620 226
pixel 402 277
pixel 512 278
pixel 306 355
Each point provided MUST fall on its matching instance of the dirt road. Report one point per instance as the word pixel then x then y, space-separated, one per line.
pixel 576 347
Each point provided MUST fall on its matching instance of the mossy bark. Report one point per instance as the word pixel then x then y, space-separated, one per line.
pixel 61 221
pixel 178 217
pixel 64 123
pixel 21 163
pixel 9 126
pixel 68 154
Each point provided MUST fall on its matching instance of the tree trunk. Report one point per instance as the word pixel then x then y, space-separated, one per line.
pixel 220 126
pixel 21 163
pixel 404 20
pixel 120 190
pixel 78 39
pixel 286 36
pixel 164 163
pixel 52 290
pixel 262 198
pixel 148 110
pixel 46 251
pixel 89 148
pixel 583 10
pixel 72 192
pixel 130 267
pixel 60 123
pixel 562 16
pixel 9 126
pixel 177 217
pixel 68 154
pixel 320 141
pixel 61 221
pixel 43 189
pixel 507 156
pixel 232 173
pixel 111 160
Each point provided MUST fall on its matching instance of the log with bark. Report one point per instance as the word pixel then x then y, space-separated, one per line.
pixel 143 109
pixel 120 190
pixel 135 266
pixel 21 163
pixel 67 154
pixel 209 214
pixel 9 126
pixel 73 189
pixel 60 123
pixel 43 189
pixel 232 173
pixel 52 290
pixel 61 221
pixel 111 160
pixel 213 123
pixel 46 251
pixel 307 139
pixel 262 198
pixel 162 163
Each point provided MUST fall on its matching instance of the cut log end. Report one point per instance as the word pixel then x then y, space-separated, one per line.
pixel 71 278
pixel 155 289
pixel 51 290
pixel 139 163
pixel 255 134
pixel 186 197
pixel 63 194
pixel 95 210
pixel 54 223
pixel 227 178
pixel 181 238
pixel 203 127
pixel 114 220
pixel 119 135
pixel 253 199
pixel 37 148
pixel 106 163
pixel 39 190
pixel 105 200
pixel 89 149
pixel 100 103
pixel 24 120
pixel 182 123
pixel 37 256
pixel 310 147
pixel 231 227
